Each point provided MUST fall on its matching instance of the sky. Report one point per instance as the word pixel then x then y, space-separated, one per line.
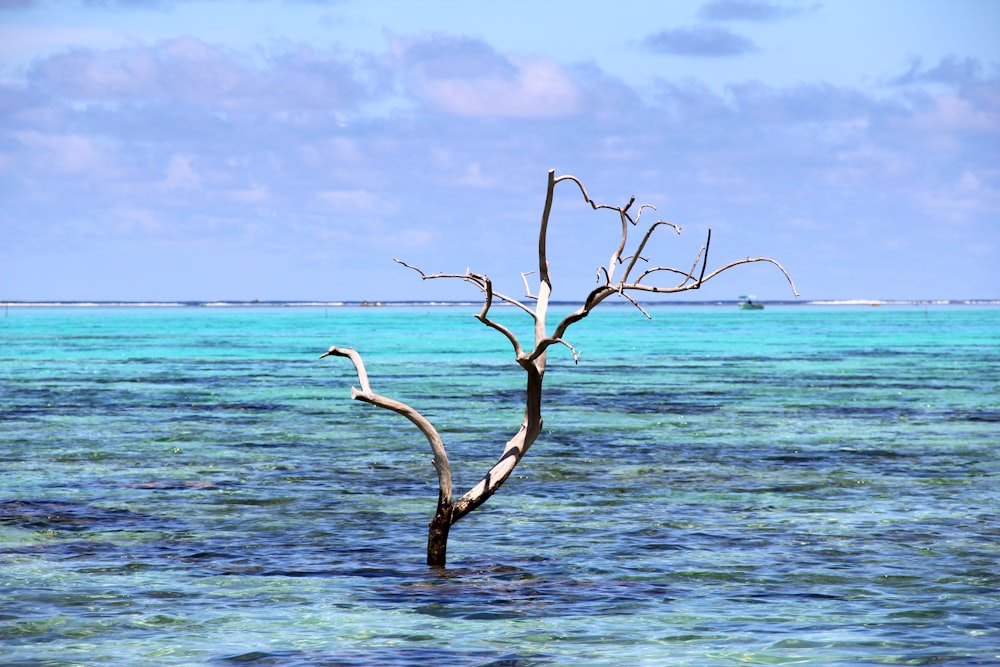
pixel 159 150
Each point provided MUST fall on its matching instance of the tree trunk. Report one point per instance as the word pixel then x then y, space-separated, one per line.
pixel 437 535
pixel 448 512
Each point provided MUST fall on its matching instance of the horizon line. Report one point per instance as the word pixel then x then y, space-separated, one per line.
pixel 97 303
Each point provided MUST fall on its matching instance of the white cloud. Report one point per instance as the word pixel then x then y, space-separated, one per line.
pixel 259 194
pixel 950 113
pixel 359 201
pixel 864 163
pixel 749 10
pixel 180 175
pixel 963 198
pixel 466 77
pixel 188 71
pixel 702 41
pixel 23 42
pixel 130 220
pixel 445 141
pixel 66 153
pixel 473 177
pixel 538 89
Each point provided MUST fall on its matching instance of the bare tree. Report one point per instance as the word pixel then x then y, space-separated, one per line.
pixel 623 275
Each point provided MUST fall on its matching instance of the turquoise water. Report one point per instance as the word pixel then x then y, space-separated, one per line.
pixel 807 485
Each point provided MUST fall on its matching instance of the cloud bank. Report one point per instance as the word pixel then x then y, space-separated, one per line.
pixel 699 41
pixel 434 146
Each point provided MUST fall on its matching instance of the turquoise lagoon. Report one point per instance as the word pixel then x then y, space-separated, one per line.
pixel 804 485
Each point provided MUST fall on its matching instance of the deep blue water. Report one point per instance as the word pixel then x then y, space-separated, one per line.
pixel 193 486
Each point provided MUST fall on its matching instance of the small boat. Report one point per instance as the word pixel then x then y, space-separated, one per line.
pixel 748 303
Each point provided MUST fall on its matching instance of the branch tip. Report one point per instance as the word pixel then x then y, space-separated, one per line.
pixel 335 351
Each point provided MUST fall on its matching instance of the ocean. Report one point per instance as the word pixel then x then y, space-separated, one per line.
pixel 803 484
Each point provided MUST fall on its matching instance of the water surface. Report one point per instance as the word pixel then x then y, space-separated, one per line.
pixel 800 485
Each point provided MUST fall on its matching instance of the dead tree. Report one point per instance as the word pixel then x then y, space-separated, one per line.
pixel 623 275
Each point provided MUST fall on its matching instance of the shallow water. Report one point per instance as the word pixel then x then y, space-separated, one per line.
pixel 800 485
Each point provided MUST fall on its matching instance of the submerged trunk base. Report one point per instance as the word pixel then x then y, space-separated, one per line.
pixel 437 537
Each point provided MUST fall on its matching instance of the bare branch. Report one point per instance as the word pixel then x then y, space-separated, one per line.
pixel 668 269
pixel 576 355
pixel 641 209
pixel 508 334
pixel 422 274
pixel 626 219
pixel 685 286
pixel 513 451
pixel 359 364
pixel 527 288
pixel 498 474
pixel 642 245
pixel 542 346
pixel 477 279
pixel 622 240
pixel 587 198
pixel 486 285
pixel 701 257
pixel 543 230
pixel 704 261
pixel 635 303
pixel 368 396
pixel 751 260
pixel 596 296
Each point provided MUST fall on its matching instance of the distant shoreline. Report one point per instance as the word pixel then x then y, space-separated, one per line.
pixel 398 304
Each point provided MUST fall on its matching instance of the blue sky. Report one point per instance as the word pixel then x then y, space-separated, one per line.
pixel 158 150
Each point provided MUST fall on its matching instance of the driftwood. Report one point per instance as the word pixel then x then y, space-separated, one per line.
pixel 624 273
